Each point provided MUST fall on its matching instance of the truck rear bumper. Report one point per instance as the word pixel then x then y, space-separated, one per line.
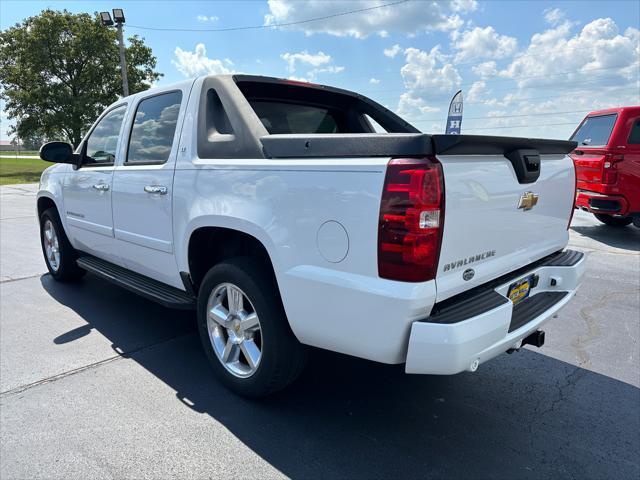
pixel 476 327
pixel 595 202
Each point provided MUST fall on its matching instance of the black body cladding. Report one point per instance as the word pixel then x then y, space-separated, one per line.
pixel 526 164
pixel 490 145
pixel 346 145
pixel 228 127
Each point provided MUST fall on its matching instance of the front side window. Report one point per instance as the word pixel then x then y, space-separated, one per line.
pixel 595 131
pixel 153 129
pixel 103 140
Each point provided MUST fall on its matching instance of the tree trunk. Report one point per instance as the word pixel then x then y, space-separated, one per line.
pixel 76 138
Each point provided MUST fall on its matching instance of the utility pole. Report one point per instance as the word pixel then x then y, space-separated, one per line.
pixel 123 61
pixel 118 16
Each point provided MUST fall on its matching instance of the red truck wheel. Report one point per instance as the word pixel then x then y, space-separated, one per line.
pixel 614 221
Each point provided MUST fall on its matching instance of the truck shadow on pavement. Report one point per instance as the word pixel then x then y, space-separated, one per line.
pixel 619 237
pixel 524 415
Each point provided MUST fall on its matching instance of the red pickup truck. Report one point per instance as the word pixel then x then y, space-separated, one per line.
pixel 607 162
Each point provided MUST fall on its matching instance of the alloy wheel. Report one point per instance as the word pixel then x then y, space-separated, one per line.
pixel 51 247
pixel 234 330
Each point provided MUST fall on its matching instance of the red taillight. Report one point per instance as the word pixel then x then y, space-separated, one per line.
pixel 411 220
pixel 609 174
pixel 575 194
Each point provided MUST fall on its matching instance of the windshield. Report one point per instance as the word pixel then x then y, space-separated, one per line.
pixel 595 131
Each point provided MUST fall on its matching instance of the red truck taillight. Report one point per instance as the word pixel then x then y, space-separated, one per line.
pixel 411 220
pixel 575 193
pixel 609 173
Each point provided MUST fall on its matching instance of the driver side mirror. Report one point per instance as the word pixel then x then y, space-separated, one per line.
pixel 59 152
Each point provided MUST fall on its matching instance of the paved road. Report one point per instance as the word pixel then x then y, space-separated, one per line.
pixel 97 382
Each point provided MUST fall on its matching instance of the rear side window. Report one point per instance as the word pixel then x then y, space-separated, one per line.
pixel 375 125
pixel 153 129
pixel 290 107
pixel 595 131
pixel 279 117
pixel 634 136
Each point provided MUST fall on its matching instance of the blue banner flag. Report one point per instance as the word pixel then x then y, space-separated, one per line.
pixel 454 120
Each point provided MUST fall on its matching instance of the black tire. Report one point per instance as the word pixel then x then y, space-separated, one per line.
pixel 636 222
pixel 613 221
pixel 282 356
pixel 67 269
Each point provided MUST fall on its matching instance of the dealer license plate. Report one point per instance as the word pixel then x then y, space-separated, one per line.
pixel 519 290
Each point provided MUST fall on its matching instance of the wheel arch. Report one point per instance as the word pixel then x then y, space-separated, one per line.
pixel 45 202
pixel 47 199
pixel 210 245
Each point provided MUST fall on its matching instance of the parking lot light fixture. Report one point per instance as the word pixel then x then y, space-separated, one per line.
pixel 118 15
pixel 106 19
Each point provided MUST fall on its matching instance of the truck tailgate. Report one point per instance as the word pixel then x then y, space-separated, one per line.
pixel 496 220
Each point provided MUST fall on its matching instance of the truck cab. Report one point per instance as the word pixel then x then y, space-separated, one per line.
pixel 607 162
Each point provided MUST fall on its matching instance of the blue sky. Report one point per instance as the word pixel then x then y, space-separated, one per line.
pixel 530 68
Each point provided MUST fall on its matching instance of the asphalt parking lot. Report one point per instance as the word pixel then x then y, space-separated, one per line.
pixel 96 382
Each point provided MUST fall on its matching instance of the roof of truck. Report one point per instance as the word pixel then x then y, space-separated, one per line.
pixel 243 77
pixel 238 77
pixel 606 111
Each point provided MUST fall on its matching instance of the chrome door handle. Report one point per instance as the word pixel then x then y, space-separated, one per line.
pixel 156 189
pixel 102 187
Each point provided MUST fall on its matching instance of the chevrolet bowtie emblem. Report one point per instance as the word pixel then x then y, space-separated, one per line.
pixel 528 200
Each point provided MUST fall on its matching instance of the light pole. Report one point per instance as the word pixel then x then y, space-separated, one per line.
pixel 118 16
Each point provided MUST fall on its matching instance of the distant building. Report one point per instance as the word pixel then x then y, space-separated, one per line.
pixel 7 146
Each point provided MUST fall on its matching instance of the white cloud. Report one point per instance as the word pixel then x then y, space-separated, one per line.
pixel 483 43
pixel 474 93
pixel 313 73
pixel 305 57
pixel 560 71
pixel 428 72
pixel 329 69
pixel 485 69
pixel 544 91
pixel 297 79
pixel 411 105
pixel 205 18
pixel 553 16
pixel 407 18
pixel 543 118
pixel 195 63
pixel 321 61
pixel 374 81
pixel 427 76
pixel 464 6
pixel 392 51
pixel 598 54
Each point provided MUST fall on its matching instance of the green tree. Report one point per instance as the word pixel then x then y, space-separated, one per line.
pixel 59 70
pixel 33 142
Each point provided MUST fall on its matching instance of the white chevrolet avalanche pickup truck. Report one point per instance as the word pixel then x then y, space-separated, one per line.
pixel 290 214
